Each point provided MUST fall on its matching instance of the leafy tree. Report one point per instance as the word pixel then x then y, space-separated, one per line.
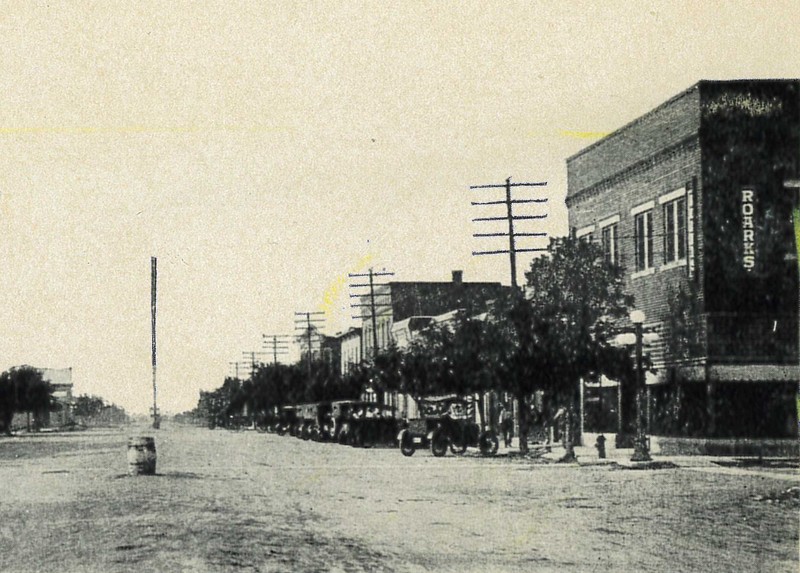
pixel 417 370
pixel 24 390
pixel 457 356
pixel 93 410
pixel 88 406
pixel 683 330
pixel 577 299
pixel 515 355
pixel 559 332
pixel 8 402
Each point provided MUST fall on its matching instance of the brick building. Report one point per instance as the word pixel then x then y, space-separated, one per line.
pixel 398 301
pixel 691 200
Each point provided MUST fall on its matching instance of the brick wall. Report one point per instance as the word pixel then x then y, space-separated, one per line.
pixel 667 125
pixel 668 171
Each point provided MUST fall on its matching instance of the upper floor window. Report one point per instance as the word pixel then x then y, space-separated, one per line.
pixel 675 230
pixel 643 239
pixel 609 244
pixel 585 234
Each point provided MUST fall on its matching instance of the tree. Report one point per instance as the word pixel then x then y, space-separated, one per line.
pixel 576 301
pixel 457 357
pixel 557 333
pixel 88 406
pixel 684 343
pixel 8 402
pixel 94 411
pixel 24 390
pixel 516 358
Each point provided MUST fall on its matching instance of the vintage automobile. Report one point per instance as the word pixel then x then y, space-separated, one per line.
pixel 307 424
pixel 325 428
pixel 365 424
pixel 266 421
pixel 340 426
pixel 445 422
pixel 287 420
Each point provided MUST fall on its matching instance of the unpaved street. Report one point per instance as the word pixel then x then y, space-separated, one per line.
pixel 246 501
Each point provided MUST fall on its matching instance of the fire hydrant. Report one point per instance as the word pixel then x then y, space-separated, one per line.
pixel 600 444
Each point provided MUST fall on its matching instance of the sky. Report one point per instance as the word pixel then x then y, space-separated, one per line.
pixel 264 150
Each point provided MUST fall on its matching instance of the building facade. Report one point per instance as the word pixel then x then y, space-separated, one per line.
pixel 402 303
pixel 397 301
pixel 60 379
pixel 352 350
pixel 691 200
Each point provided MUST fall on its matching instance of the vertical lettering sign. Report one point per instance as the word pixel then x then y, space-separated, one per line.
pixel 748 230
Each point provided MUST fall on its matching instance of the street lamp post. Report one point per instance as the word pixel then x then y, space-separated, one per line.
pixel 640 449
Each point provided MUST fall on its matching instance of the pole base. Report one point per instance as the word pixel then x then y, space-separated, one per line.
pixel 640 452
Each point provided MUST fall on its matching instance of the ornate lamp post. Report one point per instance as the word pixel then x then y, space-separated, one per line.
pixel 640 450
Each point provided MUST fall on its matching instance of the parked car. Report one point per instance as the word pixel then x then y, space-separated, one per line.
pixel 445 422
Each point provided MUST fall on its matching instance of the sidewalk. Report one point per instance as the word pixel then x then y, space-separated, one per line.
pixel 776 468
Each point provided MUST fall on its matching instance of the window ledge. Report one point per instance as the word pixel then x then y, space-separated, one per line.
pixel 673 265
pixel 644 273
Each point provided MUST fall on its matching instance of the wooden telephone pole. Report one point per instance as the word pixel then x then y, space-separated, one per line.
pixel 376 302
pixel 309 323
pixel 510 217
pixel 278 343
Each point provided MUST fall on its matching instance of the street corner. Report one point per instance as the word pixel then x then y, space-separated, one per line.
pixel 644 465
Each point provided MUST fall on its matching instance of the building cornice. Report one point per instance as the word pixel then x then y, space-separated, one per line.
pixel 689 143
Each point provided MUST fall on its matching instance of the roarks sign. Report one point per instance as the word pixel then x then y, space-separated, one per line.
pixel 748 230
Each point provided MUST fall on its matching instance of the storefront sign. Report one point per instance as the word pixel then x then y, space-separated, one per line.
pixel 748 230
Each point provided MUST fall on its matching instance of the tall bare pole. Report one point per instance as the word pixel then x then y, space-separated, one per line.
pixel 153 287
pixel 512 251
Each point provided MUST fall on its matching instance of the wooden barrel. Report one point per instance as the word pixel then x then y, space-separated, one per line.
pixel 141 456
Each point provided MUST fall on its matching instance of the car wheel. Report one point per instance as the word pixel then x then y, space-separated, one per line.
pixel 407 447
pixel 488 443
pixel 439 443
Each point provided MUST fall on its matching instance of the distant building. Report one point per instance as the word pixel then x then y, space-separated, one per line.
pixel 61 381
pixel 690 198
pixel 404 308
pixel 351 349
pixel 397 301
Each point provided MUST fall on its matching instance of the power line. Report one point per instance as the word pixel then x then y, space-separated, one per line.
pixel 236 367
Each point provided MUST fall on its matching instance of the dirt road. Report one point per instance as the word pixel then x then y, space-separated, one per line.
pixel 245 501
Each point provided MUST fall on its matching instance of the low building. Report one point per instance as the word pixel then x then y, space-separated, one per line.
pixel 60 379
pixel 352 349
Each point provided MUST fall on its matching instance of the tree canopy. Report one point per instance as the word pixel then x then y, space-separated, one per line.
pixel 23 390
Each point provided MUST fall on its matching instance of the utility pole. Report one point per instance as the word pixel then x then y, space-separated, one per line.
pixel 279 343
pixel 153 286
pixel 252 356
pixel 375 302
pixel 510 217
pixel 308 322
pixel 236 367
